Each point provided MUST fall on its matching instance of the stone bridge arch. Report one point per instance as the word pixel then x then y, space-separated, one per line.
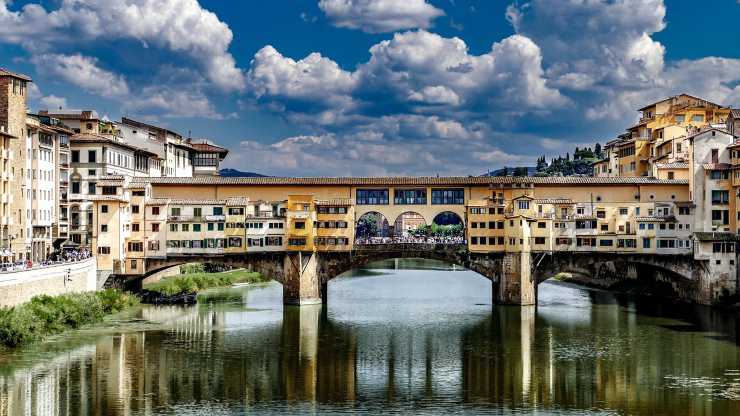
pixel 676 276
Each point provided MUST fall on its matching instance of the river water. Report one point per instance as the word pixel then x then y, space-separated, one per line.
pixel 405 337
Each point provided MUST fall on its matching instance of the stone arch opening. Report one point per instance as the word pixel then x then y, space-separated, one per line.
pixel 410 224
pixel 372 225
pixel 448 224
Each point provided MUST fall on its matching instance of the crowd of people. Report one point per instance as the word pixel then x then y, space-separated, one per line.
pixel 411 240
pixel 58 257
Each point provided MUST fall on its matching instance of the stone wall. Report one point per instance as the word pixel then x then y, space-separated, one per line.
pixel 20 287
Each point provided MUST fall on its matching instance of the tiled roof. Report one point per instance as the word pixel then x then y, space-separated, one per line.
pixel 207 147
pixel 237 201
pixel 706 129
pixel 8 135
pixel 158 201
pixel 655 219
pixel 86 198
pixel 5 73
pixel 584 217
pixel 198 201
pixel 710 236
pixel 554 201
pixel 392 181
pixel 672 165
pixel 335 202
pixel 716 166
pixel 736 112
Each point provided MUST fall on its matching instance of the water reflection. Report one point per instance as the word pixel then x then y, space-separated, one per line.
pixel 390 341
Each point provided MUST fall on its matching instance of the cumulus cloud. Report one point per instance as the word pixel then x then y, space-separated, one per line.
pixel 180 26
pixel 52 102
pixel 379 16
pixel 172 103
pixel 414 72
pixel 84 72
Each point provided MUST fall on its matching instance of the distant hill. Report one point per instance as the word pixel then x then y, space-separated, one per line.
pixel 233 173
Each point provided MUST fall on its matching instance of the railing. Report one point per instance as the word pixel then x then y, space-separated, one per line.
pixel 362 241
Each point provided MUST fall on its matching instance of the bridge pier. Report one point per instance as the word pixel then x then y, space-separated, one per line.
pixel 516 284
pixel 301 280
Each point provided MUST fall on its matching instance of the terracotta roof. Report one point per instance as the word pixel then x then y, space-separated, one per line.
pixel 708 129
pixel 676 96
pixel 5 73
pixel 391 181
pixel 584 217
pixel 672 165
pixel 710 236
pixel 109 183
pixel 735 112
pixel 207 147
pixel 716 166
pixel 655 219
pixel 98 198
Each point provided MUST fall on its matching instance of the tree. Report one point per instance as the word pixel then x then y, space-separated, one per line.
pixel 521 171
pixel 597 151
pixel 541 164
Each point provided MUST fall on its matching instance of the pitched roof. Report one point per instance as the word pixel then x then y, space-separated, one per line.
pixel 712 236
pixel 207 148
pixel 399 180
pixel 672 165
pixel 735 112
pixel 5 73
pixel 555 201
pixel 716 166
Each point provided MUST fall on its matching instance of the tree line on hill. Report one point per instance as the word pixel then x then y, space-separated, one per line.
pixel 578 165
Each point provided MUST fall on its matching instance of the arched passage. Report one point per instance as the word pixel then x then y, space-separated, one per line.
pixel 448 225
pixel 409 224
pixel 372 225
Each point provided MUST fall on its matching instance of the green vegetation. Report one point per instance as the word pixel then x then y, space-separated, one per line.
pixel 192 283
pixel 49 315
pixel 435 230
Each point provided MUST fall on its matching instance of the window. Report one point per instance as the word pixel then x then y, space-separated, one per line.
pixel 684 211
pixel 155 210
pixel 138 193
pixel 103 250
pixel 75 187
pixel 651 226
pixel 300 225
pixel 541 225
pixel 135 246
pixel 606 243
pixel 523 204
pixel 210 226
pixel 539 240
pixel 134 209
pixel 666 243
pixel 154 245
pixel 104 228
pixel 604 227
pixel 104 209
pixel 155 227
pixel 623 211
pixel 723 247
pixel 234 242
pixel 410 196
pixel 720 197
pixel 75 156
pixel 715 155
pixel 448 196
pixel 232 211
pixel 135 227
pixel 296 241
pixel 220 226
pixel 641 226
pixel 601 214
pixel 173 227
pixel 218 210
pixel 196 228
pixel 109 190
pixel 720 216
pixel 474 240
pixel 91 188
pixel 186 227
pixel 372 197
pixel 91 156
pixel 680 118
pixel 175 212
pixel 645 243
pixel 697 118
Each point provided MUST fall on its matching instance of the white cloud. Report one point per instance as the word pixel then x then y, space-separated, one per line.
pixel 84 72
pixel 378 16
pixel 52 102
pixel 181 26
pixel 173 103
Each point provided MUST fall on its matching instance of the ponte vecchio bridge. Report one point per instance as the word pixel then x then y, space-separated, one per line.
pixel 517 232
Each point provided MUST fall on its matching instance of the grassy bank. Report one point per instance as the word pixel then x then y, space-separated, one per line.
pixel 49 315
pixel 192 283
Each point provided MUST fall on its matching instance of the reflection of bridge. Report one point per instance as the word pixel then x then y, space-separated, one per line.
pixel 515 275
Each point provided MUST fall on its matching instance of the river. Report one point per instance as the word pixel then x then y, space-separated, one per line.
pixel 402 337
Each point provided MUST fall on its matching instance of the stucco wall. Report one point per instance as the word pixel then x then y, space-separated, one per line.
pixel 20 287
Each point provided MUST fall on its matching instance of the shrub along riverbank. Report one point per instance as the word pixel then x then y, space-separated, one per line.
pixel 49 315
pixel 184 288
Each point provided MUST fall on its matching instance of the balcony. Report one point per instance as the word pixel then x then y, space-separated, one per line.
pixel 302 215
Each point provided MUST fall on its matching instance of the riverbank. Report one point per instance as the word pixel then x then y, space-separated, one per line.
pixel 46 315
pixel 183 289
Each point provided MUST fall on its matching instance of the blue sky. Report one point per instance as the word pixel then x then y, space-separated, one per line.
pixel 375 87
